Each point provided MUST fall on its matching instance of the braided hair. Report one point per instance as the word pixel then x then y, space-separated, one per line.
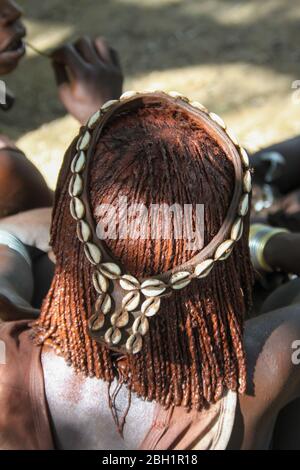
pixel 194 350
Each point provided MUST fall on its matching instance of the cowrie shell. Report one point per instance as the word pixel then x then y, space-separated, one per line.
pixel 175 94
pixel 92 122
pixel 244 205
pixel 103 304
pixel 101 283
pixel 92 253
pixel 199 106
pixel 134 343
pixel 121 319
pixel 150 306
pixel 108 105
pixel 77 208
pixel 140 325
pixel 97 324
pixel 113 335
pixel 76 185
pixel 128 282
pixel 128 94
pixel 203 269
pixel 247 182
pixel 180 280
pixel 83 231
pixel 216 118
pixel 232 136
pixel 91 320
pixel 110 270
pixel 107 336
pixel 244 157
pixel 154 90
pixel 78 162
pixel 84 141
pixel 153 287
pixel 116 336
pixel 131 300
pixel 224 250
pixel 237 229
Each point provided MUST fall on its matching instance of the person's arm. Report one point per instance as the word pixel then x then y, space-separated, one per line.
pixel 272 344
pixel 280 252
pixel 16 286
pixel 273 375
pixel 22 186
pixel 26 230
pixel 283 252
pixel 16 280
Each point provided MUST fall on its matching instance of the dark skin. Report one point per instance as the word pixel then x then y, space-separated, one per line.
pixel 87 72
pixel 286 210
pixel 289 178
pixel 22 187
pixel 12 32
pixel 33 229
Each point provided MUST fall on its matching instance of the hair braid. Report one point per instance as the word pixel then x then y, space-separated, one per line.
pixel 194 349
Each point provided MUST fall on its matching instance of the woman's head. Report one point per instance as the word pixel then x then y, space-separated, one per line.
pixel 158 153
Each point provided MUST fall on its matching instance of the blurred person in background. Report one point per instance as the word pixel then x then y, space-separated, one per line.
pixel 87 72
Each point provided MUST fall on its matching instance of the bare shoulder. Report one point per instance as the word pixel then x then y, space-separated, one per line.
pixel 272 344
pixel 273 374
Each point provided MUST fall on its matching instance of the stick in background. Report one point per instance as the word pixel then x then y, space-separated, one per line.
pixel 38 51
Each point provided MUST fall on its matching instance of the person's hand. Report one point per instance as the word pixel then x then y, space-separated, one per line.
pixel 12 32
pixel 31 227
pixel 88 74
pixel 288 213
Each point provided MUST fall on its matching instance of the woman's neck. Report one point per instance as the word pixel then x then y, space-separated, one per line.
pixel 80 412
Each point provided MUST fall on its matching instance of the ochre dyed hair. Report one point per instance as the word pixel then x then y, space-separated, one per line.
pixel 194 349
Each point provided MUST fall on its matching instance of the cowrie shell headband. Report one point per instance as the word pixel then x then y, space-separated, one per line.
pixel 123 327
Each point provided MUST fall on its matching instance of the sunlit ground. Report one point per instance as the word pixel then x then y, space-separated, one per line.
pixel 239 58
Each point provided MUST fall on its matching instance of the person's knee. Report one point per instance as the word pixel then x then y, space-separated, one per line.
pixel 22 187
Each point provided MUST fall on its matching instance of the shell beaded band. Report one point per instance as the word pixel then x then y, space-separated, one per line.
pixel 122 327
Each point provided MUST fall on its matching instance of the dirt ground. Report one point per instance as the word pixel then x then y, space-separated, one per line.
pixel 240 58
